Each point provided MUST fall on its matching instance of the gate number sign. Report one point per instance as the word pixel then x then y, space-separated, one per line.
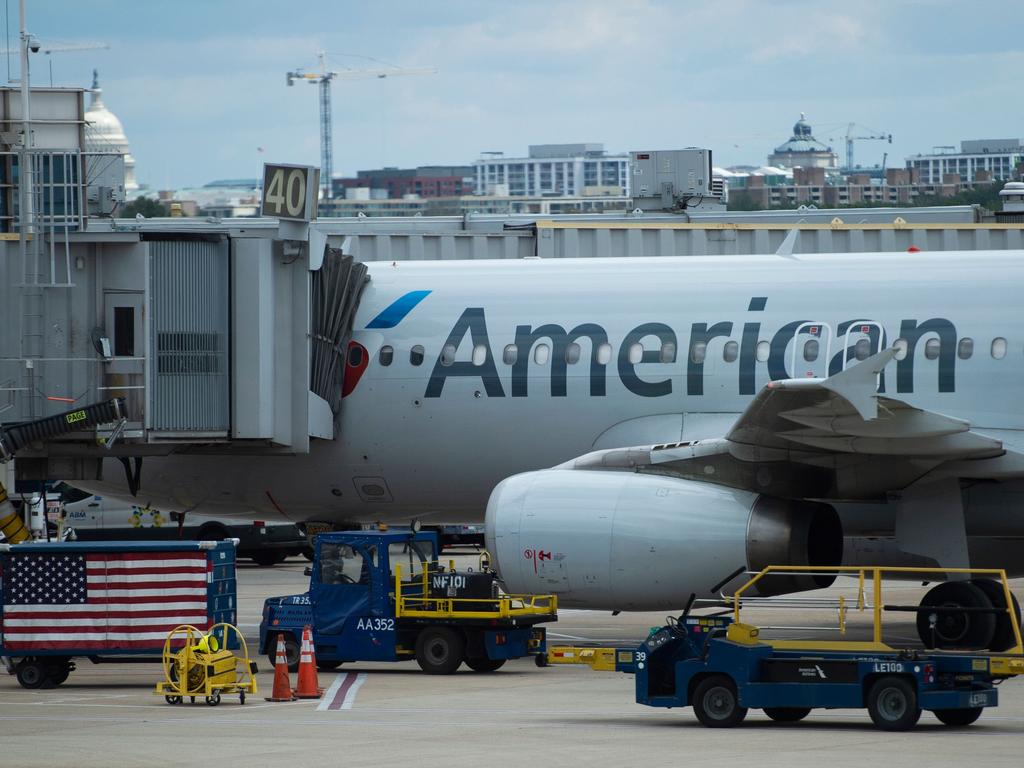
pixel 290 191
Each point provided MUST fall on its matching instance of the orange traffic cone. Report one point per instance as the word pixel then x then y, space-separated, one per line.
pixel 282 683
pixel 309 687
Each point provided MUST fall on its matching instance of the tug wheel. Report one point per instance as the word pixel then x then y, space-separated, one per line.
pixel 485 664
pixel 957 718
pixel 716 703
pixel 787 714
pixel 439 650
pixel 291 653
pixel 892 704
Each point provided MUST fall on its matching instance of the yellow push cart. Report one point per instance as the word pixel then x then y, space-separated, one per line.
pixel 198 663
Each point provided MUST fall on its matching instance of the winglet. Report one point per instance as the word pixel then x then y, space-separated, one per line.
pixel 858 385
pixel 788 243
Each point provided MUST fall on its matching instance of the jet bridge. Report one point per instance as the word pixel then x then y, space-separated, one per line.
pixel 216 338
pixel 228 336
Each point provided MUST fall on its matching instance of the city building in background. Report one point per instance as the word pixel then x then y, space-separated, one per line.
pixel 1001 159
pixel 397 183
pixel 554 170
pixel 768 188
pixel 410 205
pixel 803 150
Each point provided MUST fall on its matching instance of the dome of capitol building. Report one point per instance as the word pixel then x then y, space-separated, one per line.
pixel 803 150
pixel 104 133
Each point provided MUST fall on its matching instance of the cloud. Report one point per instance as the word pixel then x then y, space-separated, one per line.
pixel 199 85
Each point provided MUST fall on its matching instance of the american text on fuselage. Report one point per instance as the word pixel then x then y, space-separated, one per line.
pixel 858 338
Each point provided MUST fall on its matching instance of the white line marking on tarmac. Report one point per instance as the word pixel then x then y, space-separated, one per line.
pixel 331 692
pixel 350 697
pixel 342 693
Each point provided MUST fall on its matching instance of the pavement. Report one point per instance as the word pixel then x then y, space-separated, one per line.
pixel 382 714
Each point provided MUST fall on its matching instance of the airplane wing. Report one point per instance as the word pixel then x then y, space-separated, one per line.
pixel 835 438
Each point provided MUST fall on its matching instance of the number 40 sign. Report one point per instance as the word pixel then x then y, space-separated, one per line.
pixel 290 191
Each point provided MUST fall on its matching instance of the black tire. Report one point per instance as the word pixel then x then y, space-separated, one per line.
pixel 787 714
pixel 892 704
pixel 716 703
pixel 958 718
pixel 541 660
pixel 268 559
pixel 485 664
pixel 1003 638
pixel 241 698
pixel 291 652
pixel 213 700
pixel 172 699
pixel 31 674
pixel 307 552
pixel 58 673
pixel 440 650
pixel 969 631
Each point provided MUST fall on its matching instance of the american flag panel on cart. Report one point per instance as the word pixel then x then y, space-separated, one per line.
pixel 125 600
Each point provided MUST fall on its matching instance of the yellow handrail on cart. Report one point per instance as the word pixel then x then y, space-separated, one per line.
pixel 413 600
pixel 876 573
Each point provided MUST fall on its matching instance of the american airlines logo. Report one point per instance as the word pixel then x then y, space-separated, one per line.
pixel 747 338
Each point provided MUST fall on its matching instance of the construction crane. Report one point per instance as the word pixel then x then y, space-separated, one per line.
pixel 323 78
pixel 54 46
pixel 870 135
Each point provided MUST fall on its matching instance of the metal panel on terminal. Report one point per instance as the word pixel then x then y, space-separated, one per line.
pixel 189 336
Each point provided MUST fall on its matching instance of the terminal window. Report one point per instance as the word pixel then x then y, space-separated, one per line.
pixel 124 331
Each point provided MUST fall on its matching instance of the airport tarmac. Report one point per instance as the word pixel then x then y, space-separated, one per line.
pixel 381 714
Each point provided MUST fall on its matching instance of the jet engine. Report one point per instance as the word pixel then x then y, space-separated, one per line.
pixel 626 541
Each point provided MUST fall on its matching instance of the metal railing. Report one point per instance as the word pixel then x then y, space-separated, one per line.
pixel 861 602
pixel 413 600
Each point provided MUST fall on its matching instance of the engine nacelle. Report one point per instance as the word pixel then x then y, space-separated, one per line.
pixel 625 541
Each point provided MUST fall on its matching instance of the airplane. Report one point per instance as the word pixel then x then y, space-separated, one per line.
pixel 634 430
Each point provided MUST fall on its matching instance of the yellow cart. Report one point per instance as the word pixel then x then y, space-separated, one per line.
pixel 198 663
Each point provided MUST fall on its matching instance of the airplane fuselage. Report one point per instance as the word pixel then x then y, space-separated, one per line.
pixel 462 373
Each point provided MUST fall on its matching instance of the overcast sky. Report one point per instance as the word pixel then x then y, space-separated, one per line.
pixel 200 84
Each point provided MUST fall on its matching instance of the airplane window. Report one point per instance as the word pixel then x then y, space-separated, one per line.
pixel 387 354
pixel 572 353
pixel 448 354
pixel 862 349
pixel 668 352
pixel 901 346
pixel 510 355
pixel 604 354
pixel 811 350
pixel 479 354
pixel 698 351
pixel 965 348
pixel 762 351
pixel 999 348
pixel 932 348
pixel 730 351
pixel 355 356
pixel 416 355
pixel 540 354
pixel 636 353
